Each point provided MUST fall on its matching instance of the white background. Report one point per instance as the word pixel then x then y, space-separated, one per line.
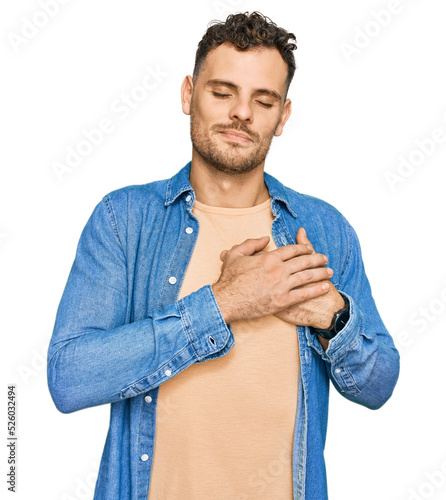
pixel 353 116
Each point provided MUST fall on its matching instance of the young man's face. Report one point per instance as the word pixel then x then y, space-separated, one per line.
pixel 237 105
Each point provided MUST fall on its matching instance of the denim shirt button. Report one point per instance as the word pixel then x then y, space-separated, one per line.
pixel 145 457
pixel 188 197
pixel 189 230
pixel 338 370
pixel 172 280
pixel 148 399
pixel 168 373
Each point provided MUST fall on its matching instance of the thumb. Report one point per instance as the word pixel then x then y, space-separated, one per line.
pixel 252 245
pixel 302 239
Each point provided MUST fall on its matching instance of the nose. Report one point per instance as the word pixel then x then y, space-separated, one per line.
pixel 241 110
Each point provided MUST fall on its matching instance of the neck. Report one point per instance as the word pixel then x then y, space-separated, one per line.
pixel 219 189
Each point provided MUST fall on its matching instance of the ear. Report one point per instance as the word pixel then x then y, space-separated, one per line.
pixel 187 88
pixel 286 112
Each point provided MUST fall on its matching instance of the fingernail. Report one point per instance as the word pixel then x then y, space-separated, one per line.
pixel 325 286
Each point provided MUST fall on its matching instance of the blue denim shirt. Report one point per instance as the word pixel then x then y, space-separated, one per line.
pixel 120 331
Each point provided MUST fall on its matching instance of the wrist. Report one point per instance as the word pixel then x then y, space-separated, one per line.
pixel 325 319
pixel 224 306
pixel 338 321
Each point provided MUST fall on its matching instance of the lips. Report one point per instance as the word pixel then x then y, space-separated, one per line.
pixel 235 136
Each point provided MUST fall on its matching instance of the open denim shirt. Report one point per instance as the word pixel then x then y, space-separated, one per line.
pixel 120 331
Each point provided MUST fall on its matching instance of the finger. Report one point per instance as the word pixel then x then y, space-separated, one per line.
pixel 261 252
pixel 302 237
pixel 251 246
pixel 223 254
pixel 306 293
pixel 290 251
pixel 310 276
pixel 303 262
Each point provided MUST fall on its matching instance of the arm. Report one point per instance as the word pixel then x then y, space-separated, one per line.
pixel 361 360
pixel 96 355
pixel 291 283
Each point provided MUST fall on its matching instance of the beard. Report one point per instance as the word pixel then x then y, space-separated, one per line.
pixel 232 159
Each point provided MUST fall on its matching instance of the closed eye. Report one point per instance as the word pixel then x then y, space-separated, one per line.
pixel 264 104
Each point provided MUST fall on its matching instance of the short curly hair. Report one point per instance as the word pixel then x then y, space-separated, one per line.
pixel 245 31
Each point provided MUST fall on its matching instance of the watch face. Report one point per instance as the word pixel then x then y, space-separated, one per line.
pixel 327 334
pixel 342 319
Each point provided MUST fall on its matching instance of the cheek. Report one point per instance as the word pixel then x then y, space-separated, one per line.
pixel 267 132
pixel 212 112
pixel 275 123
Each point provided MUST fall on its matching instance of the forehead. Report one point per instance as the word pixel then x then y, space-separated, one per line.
pixel 252 68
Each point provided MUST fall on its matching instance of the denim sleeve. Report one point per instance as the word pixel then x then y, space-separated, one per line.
pixel 96 355
pixel 361 360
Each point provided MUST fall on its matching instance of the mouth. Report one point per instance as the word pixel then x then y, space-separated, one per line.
pixel 233 136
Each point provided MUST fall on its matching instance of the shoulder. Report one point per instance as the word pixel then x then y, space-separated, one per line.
pixel 129 206
pixel 310 207
pixel 135 202
pixel 138 194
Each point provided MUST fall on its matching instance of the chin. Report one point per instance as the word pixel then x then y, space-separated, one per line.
pixel 234 168
pixel 234 159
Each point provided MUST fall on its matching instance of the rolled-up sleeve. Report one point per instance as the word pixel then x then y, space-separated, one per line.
pixel 362 360
pixel 96 356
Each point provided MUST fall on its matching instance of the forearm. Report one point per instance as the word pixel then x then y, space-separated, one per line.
pixel 89 367
pixel 362 361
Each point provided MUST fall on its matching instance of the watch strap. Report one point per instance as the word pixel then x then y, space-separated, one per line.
pixel 339 320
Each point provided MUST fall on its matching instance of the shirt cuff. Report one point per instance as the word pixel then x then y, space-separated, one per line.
pixel 344 339
pixel 209 335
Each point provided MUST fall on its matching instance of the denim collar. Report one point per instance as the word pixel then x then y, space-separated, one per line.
pixel 179 184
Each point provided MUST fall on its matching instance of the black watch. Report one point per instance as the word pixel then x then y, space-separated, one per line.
pixel 340 319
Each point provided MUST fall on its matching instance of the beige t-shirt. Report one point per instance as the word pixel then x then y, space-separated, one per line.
pixel 225 427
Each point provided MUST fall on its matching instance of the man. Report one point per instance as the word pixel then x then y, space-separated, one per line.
pixel 202 309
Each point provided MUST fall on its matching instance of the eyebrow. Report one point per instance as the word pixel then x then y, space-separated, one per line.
pixel 268 92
